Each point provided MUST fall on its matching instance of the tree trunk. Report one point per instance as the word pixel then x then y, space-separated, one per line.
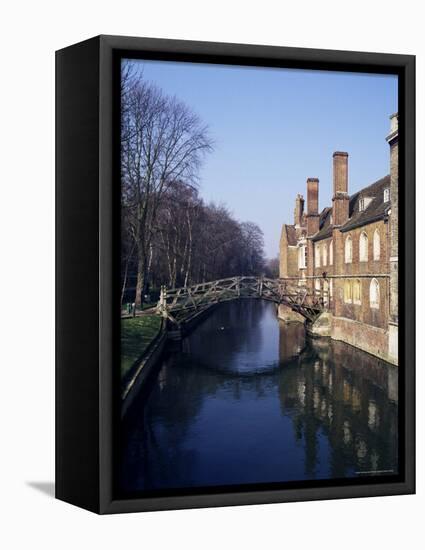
pixel 189 259
pixel 124 282
pixel 141 281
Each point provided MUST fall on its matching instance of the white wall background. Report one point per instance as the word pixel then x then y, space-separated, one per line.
pixel 30 32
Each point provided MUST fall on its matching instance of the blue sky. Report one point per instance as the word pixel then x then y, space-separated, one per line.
pixel 274 128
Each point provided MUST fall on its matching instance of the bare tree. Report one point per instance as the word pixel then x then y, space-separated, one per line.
pixel 272 268
pixel 162 141
pixel 252 245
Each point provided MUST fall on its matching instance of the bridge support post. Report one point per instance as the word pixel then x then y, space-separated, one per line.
pixel 321 326
pixel 163 302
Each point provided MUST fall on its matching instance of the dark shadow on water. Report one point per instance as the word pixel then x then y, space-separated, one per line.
pixel 46 487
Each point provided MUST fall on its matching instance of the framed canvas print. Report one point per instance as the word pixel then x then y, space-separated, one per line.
pixel 235 274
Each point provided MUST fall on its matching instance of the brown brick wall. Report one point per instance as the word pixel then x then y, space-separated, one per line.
pixel 340 172
pixel 374 340
pixel 293 261
pixel 312 196
pixel 357 311
pixel 363 312
pixel 283 254
pixel 340 199
pixel 288 257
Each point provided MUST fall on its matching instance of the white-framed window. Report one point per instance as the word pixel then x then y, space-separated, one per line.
pixel 348 291
pixel 331 253
pixel 363 247
pixel 302 256
pixel 317 286
pixel 374 294
pixel 376 245
pixel 348 250
pixel 361 205
pixel 331 289
pixel 316 255
pixel 387 194
pixel 325 254
pixel 357 291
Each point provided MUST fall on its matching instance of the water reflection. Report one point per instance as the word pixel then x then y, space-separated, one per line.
pixel 251 400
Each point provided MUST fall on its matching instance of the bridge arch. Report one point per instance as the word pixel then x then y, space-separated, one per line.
pixel 180 304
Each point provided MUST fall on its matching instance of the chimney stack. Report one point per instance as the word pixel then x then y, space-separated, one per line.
pixel 312 206
pixel 299 210
pixel 340 199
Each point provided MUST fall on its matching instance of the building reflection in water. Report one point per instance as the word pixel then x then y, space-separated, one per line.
pixel 250 399
pixel 343 394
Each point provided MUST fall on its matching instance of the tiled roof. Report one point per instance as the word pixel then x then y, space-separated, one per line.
pixel 325 228
pixel 291 235
pixel 375 210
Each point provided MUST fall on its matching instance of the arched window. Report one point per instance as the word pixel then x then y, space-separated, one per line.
pixel 331 253
pixel 376 245
pixel 363 247
pixel 325 254
pixel 357 292
pixel 317 255
pixel 348 297
pixel 374 294
pixel 348 250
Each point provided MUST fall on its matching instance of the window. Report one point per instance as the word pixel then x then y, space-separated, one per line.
pixel 325 254
pixel 387 194
pixel 376 245
pixel 357 290
pixel 364 203
pixel 348 250
pixel 347 291
pixel 331 253
pixel 374 294
pixel 363 246
pixel 317 286
pixel 302 256
pixel 331 289
pixel 317 255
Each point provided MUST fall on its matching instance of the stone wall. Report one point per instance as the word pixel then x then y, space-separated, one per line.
pixel 372 339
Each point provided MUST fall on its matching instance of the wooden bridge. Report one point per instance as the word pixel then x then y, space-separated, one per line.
pixel 181 304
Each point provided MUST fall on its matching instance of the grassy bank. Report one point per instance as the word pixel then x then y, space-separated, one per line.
pixel 136 335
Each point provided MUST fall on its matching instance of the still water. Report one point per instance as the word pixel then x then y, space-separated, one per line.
pixel 249 399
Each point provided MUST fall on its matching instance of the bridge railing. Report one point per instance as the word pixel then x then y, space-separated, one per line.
pixel 178 303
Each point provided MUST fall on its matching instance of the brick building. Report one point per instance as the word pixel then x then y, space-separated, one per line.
pixel 348 253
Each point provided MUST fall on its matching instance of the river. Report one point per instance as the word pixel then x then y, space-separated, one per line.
pixel 249 399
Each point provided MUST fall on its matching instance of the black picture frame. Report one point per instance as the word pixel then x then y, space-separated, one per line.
pixel 87 242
